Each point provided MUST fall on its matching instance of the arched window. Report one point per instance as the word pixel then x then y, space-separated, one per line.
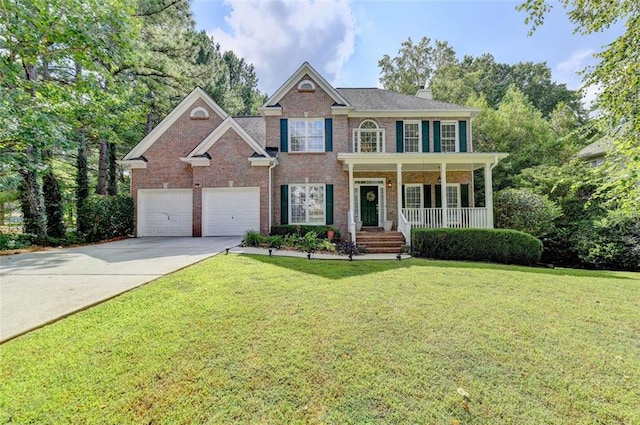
pixel 368 137
pixel 306 85
pixel 199 113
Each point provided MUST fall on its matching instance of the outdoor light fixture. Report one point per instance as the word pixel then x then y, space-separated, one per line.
pixel 270 251
pixel 197 185
pixel 227 250
pixel 389 183
pixel 399 257
pixel 350 257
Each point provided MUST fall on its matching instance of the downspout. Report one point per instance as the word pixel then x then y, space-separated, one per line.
pixel 271 167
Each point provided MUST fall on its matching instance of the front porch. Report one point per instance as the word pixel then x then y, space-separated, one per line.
pixel 432 190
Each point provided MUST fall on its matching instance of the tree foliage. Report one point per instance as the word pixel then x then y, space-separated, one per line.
pixel 618 75
pixel 415 65
pixel 99 75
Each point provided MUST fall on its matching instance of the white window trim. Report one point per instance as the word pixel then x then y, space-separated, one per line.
pixel 199 113
pixel 404 135
pixel 421 191
pixel 357 141
pixel 305 120
pixel 307 186
pixel 457 133
pixel 301 86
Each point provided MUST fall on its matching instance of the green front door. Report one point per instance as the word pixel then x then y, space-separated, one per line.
pixel 369 205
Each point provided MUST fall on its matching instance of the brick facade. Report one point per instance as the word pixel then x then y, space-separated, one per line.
pixel 230 165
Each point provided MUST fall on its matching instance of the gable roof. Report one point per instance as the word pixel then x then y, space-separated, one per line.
pixel 215 135
pixel 295 78
pixel 374 99
pixel 255 127
pixel 595 149
pixel 187 102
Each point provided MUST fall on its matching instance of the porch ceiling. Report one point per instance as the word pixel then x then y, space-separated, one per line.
pixel 418 161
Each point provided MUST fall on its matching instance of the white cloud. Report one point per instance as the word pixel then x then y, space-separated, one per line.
pixel 567 70
pixel 277 36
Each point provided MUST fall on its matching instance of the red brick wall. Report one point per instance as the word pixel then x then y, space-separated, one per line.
pixel 322 167
pixel 229 162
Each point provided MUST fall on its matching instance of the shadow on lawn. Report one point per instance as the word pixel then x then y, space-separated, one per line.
pixel 338 269
pixel 604 274
pixel 333 269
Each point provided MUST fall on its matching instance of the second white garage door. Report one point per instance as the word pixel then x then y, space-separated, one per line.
pixel 230 211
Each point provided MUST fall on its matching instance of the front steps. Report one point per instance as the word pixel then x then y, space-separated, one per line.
pixel 377 241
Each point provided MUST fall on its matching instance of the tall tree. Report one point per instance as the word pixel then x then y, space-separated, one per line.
pixel 618 73
pixel 415 65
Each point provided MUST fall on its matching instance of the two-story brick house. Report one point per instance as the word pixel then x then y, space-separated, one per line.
pixel 317 155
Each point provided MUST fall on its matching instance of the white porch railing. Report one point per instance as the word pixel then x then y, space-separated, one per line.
pixel 405 228
pixel 476 218
pixel 352 227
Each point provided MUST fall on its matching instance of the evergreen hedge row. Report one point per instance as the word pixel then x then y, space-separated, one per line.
pixel 107 217
pixel 302 229
pixel 493 245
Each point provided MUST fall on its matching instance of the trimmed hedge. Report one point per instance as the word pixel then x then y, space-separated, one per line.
pixel 303 229
pixel 107 217
pixel 493 245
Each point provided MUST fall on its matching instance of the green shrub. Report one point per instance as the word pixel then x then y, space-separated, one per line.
pixel 524 210
pixel 612 242
pixel 302 229
pixel 290 240
pixel 9 241
pixel 107 217
pixel 326 245
pixel 274 241
pixel 254 238
pixel 494 245
pixel 309 242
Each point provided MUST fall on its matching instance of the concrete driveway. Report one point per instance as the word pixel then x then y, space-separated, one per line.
pixel 41 287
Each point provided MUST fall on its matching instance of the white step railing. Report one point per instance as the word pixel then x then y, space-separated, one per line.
pixel 475 218
pixel 405 228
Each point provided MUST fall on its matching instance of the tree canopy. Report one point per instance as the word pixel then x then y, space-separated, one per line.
pixel 617 74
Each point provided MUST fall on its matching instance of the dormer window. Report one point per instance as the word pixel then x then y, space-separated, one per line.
pixel 306 86
pixel 199 113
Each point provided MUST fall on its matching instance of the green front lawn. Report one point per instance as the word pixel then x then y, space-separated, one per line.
pixel 250 339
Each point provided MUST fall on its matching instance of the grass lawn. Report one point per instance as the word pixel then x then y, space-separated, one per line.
pixel 250 339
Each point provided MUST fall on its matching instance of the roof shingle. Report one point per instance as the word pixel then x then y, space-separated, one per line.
pixel 375 99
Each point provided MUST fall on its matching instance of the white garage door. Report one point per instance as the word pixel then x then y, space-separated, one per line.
pixel 165 212
pixel 230 211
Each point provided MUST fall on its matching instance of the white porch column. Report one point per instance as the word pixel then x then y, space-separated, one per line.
pixel 488 193
pixel 443 194
pixel 399 194
pixel 351 225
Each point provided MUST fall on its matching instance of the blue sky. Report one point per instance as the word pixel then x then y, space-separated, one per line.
pixel 344 39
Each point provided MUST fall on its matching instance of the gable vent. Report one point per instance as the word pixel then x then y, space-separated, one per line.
pixel 306 85
pixel 199 113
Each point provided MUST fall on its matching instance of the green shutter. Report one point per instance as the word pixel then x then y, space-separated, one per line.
pixel 284 135
pixel 399 136
pixel 328 134
pixel 329 203
pixel 284 204
pixel 436 136
pixel 403 197
pixel 462 133
pixel 438 196
pixel 425 136
pixel 427 196
pixel 464 195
